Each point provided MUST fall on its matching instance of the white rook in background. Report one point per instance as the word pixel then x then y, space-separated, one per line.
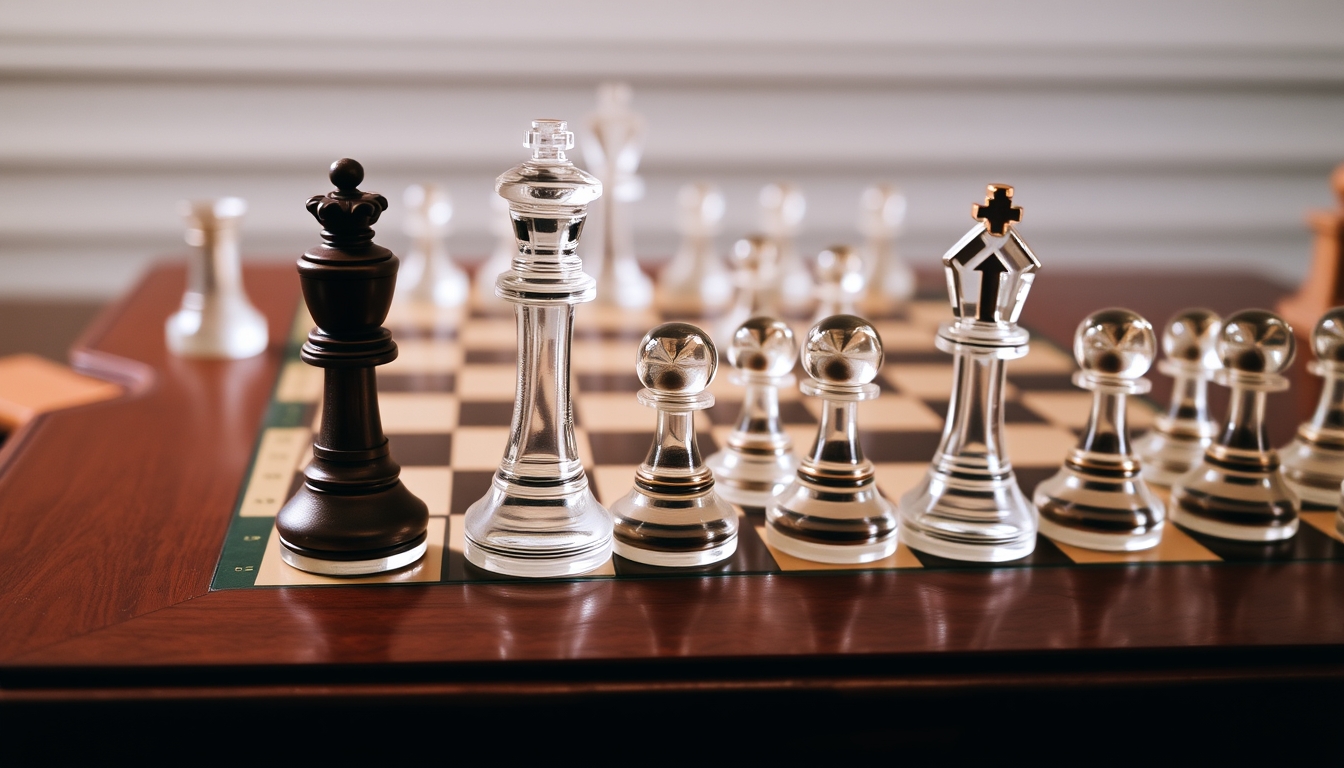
pixel 216 319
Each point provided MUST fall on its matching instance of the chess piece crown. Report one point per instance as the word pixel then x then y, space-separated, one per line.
pixel 548 198
pixel 757 459
pixel 989 273
pixel 347 215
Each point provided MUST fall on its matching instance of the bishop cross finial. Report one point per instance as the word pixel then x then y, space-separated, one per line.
pixel 998 209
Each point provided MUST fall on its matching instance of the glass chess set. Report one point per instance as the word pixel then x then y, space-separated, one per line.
pixel 597 442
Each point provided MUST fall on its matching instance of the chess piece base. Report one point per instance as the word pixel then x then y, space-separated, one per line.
pixel 340 534
pixel 982 520
pixel 666 530
pixel 832 524
pixel 1167 457
pixel 320 565
pixel 520 531
pixel 1313 471
pixel 1232 500
pixel 752 479
pixel 226 328
pixel 1108 507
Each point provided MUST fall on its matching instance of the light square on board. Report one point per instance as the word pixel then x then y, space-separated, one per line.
pixel 1323 522
pixel 489 333
pixel 614 412
pixel 1073 409
pixel 432 485
pixel 929 381
pixel 300 383
pixel 425 356
pixel 417 413
pixel 487 382
pixel 900 336
pixel 901 558
pixel 611 481
pixel 422 316
pixel 274 572
pixel 895 478
pixel 889 412
pixel 479 448
pixel 1038 445
pixel 1176 546
pixel 1043 357
pixel 604 356
pixel 929 313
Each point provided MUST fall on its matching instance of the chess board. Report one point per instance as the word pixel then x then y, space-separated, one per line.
pixel 447 401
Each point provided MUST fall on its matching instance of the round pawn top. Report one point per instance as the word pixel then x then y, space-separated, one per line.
pixel 1191 337
pixel 1115 342
pixel 701 207
pixel 1256 341
pixel 841 266
pixel 676 359
pixel 1327 338
pixel 882 209
pixel 754 253
pixel 347 174
pixel 843 350
pixel 763 345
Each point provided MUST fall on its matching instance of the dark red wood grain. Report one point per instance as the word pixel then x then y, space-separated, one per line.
pixel 112 517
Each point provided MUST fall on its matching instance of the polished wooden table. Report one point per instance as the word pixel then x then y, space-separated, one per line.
pixel 112 518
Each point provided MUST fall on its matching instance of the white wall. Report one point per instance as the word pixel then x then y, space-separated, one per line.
pixel 1178 134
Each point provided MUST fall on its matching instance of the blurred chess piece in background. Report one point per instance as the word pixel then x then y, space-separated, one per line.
pixel 696 282
pixel 501 226
pixel 216 319
pixel 840 282
pixel 782 210
pixel 428 275
pixel 891 281
pixel 1322 287
pixel 612 151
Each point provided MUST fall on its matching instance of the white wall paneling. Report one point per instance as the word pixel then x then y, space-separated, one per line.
pixel 1175 134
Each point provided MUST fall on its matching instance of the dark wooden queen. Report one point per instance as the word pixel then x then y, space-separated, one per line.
pixel 353 515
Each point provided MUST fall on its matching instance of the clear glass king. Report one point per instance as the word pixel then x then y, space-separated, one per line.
pixel 540 518
pixel 969 505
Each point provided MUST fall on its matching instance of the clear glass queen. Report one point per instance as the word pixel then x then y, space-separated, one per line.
pixel 539 517
pixel 969 506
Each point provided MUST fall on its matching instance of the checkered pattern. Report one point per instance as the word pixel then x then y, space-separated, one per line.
pixel 447 402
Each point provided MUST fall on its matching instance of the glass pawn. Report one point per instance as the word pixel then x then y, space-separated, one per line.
pixel 840 281
pixel 695 281
pixel 1238 490
pixel 673 516
pixel 782 209
pixel 757 460
pixel 1098 499
pixel 832 512
pixel 881 214
pixel 1177 439
pixel 1313 463
pixel 755 261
